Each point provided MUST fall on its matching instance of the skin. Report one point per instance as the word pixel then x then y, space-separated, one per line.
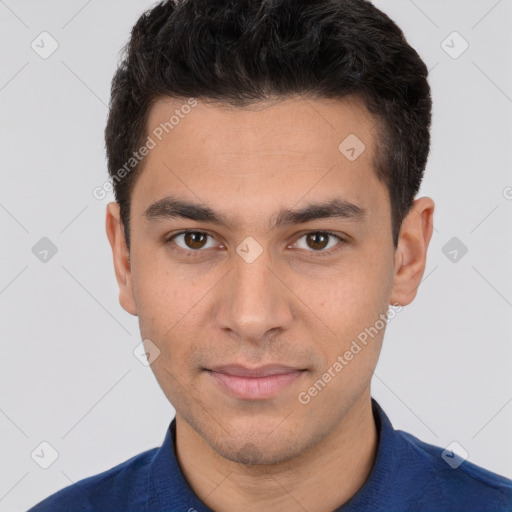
pixel 289 306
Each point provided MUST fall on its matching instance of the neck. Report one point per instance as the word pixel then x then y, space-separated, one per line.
pixel 319 480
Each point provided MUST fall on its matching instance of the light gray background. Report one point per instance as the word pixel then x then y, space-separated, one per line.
pixel 67 369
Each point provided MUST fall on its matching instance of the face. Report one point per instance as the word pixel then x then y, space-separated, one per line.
pixel 287 259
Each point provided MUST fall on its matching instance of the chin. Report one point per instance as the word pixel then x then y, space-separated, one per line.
pixel 259 449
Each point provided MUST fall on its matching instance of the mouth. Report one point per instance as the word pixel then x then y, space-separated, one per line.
pixel 254 383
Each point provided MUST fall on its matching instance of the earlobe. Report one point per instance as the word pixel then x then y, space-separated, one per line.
pixel 411 253
pixel 121 256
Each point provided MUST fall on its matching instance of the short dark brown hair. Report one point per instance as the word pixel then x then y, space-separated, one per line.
pixel 245 51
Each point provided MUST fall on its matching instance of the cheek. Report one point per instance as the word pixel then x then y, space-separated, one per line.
pixel 163 296
pixel 357 296
pixel 169 305
pixel 355 302
pixel 176 367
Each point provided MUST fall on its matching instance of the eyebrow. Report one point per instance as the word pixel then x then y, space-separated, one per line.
pixel 172 207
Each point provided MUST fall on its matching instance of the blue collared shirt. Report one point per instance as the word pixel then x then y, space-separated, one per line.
pixel 408 475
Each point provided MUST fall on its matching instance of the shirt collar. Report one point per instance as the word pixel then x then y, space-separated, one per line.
pixel 381 481
pixel 168 490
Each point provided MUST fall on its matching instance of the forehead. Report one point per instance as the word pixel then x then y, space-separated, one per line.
pixel 248 157
pixel 293 127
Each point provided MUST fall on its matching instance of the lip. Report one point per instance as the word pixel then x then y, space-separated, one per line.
pixel 254 383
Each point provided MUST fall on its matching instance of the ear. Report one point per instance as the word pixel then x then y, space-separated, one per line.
pixel 411 252
pixel 121 255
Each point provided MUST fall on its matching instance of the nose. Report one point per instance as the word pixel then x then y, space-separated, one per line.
pixel 254 301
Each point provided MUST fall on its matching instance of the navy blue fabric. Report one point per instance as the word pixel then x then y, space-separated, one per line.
pixel 408 475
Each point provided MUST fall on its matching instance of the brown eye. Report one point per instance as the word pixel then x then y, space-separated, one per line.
pixel 317 241
pixel 192 241
pixel 321 242
pixel 195 240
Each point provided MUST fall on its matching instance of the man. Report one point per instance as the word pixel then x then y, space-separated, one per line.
pixel 265 157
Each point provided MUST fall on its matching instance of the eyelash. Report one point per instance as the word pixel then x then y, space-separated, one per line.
pixel 317 254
